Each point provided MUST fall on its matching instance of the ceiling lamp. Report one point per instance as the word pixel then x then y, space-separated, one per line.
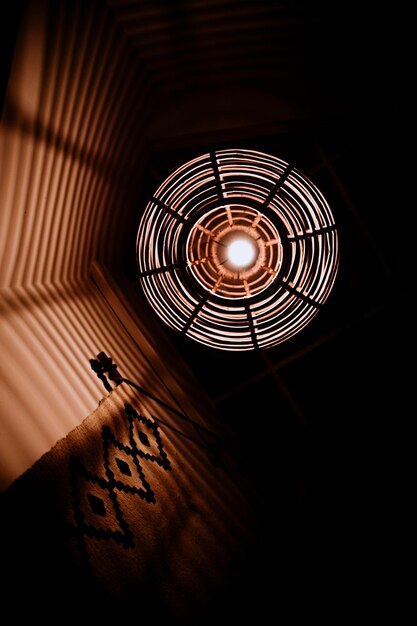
pixel 237 250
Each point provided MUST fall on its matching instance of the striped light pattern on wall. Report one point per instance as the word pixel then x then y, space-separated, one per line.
pixel 72 152
pixel 71 142
pixel 228 198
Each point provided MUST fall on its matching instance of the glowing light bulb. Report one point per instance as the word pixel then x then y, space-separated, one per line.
pixel 241 253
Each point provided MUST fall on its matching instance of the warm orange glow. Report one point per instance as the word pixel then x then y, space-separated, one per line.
pixel 198 227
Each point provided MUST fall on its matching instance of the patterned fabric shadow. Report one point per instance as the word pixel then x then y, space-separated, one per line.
pixel 126 516
pixel 96 507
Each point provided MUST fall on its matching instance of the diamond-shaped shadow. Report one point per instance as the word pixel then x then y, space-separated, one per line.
pixel 95 506
pixel 123 468
pixel 143 438
pixel 144 435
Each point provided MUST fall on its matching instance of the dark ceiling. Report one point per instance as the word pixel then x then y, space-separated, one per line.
pixel 323 417
pixel 327 393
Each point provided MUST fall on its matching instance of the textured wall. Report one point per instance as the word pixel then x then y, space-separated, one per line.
pixel 71 140
pixel 170 540
pixel 72 150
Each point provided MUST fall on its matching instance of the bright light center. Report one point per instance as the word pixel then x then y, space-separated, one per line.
pixel 241 252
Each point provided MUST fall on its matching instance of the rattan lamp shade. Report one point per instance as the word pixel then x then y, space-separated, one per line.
pixel 200 214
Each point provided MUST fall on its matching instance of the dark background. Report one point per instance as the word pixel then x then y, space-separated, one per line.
pixel 325 419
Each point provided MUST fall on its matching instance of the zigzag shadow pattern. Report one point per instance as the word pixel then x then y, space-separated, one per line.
pixel 96 508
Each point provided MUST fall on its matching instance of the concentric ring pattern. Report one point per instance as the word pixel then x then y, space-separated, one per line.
pixel 184 239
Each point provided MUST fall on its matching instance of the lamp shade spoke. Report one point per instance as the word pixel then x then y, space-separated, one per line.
pixel 237 250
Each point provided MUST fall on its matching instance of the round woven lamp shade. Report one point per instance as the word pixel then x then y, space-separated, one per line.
pixel 237 250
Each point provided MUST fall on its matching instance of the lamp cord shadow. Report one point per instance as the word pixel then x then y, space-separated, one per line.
pixel 106 370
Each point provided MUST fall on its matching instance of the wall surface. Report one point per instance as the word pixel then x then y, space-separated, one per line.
pixel 71 149
pixel 98 514
pixel 103 98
